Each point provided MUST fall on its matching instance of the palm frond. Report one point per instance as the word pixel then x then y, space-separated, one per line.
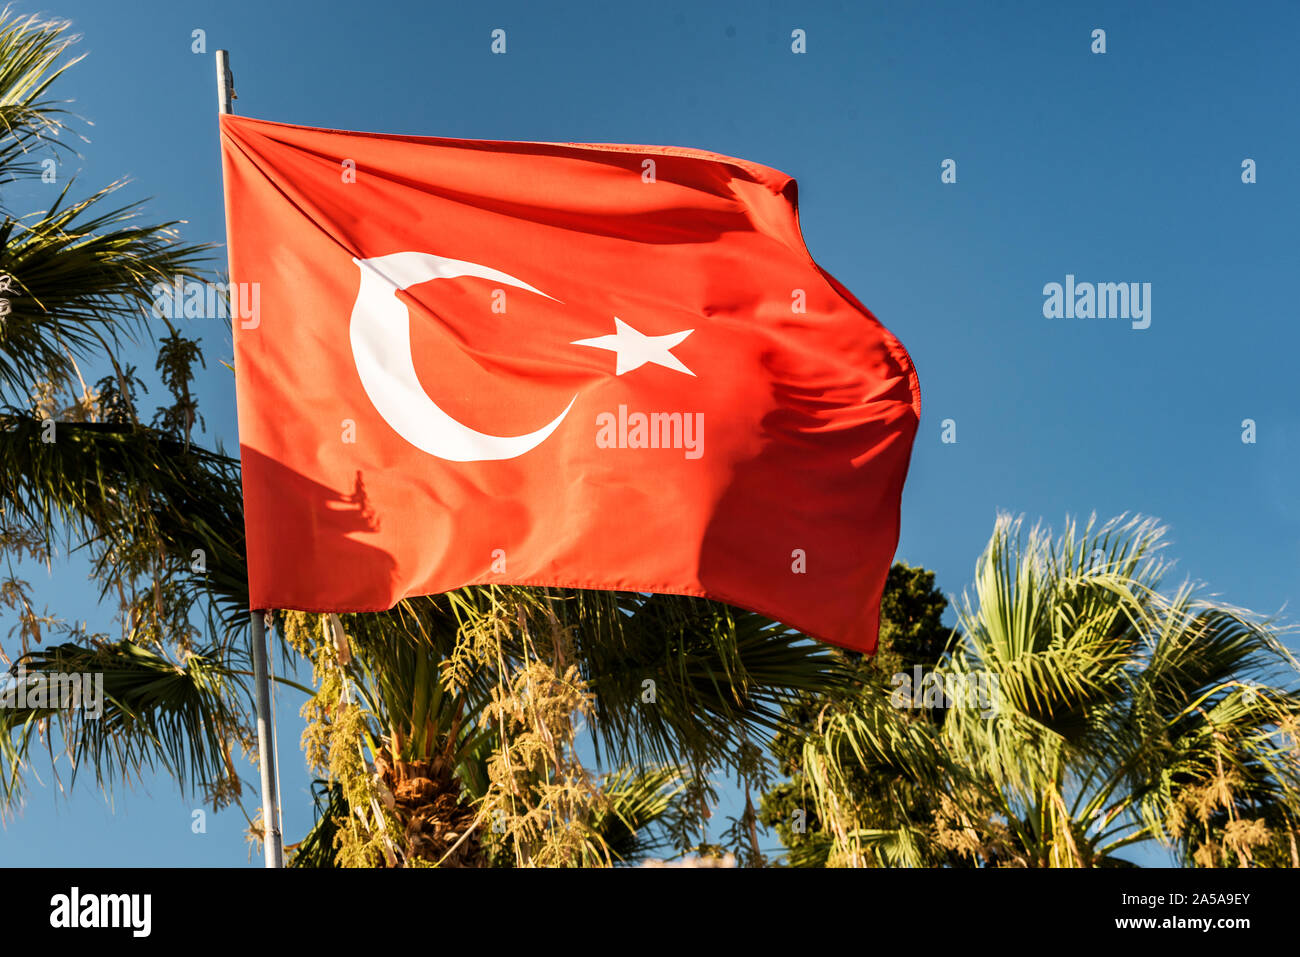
pixel 636 801
pixel 80 273
pixel 32 56
pixel 155 713
pixel 116 483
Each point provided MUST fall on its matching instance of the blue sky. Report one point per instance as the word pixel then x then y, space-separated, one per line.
pixel 1122 167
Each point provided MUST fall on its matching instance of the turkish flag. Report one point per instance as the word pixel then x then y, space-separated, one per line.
pixel 576 365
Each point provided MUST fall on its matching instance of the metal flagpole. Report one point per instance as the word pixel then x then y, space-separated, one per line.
pixel 272 841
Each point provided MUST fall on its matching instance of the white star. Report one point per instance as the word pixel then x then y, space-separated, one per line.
pixel 635 349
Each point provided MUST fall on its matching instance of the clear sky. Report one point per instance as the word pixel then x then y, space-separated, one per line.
pixel 1117 167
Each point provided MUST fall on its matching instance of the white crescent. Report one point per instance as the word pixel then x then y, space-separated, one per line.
pixel 381 347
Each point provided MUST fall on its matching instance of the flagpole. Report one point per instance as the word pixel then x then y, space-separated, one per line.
pixel 272 841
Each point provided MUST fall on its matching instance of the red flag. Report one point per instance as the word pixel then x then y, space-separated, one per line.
pixel 578 365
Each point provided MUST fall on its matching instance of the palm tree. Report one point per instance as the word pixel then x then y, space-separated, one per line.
pixel 79 275
pixel 1119 715
pixel 450 722
pixel 445 731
